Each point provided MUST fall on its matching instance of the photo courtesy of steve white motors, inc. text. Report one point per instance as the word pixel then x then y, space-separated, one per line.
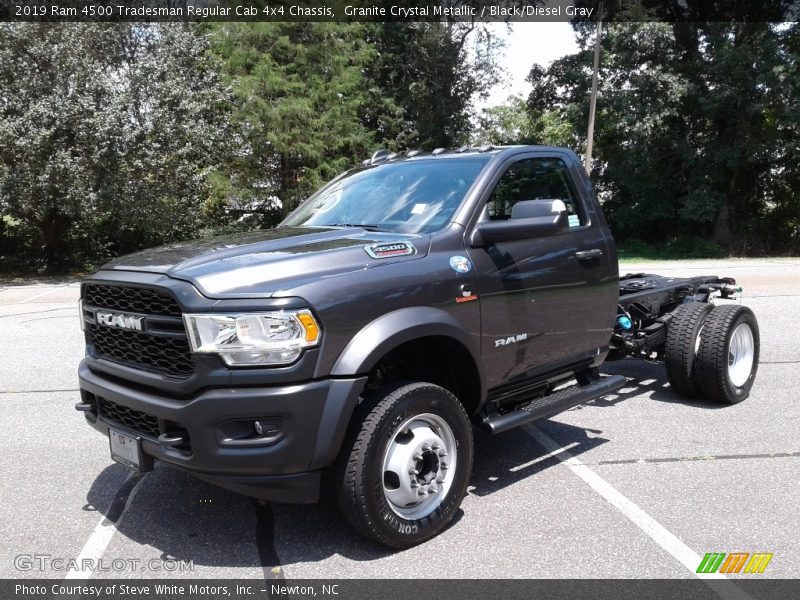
pixel 194 590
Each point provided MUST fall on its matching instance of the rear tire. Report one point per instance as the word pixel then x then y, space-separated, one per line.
pixel 682 345
pixel 728 358
pixel 405 464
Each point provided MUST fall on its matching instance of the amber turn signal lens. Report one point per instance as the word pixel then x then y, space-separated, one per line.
pixel 310 325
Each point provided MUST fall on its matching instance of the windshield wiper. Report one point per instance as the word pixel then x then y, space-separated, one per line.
pixel 367 226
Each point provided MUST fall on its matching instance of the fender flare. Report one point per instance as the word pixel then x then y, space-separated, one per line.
pixel 389 331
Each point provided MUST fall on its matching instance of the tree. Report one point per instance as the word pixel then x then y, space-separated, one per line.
pixel 512 123
pixel 118 136
pixel 300 93
pixel 430 73
pixel 508 123
pixel 316 98
pixel 693 129
pixel 107 135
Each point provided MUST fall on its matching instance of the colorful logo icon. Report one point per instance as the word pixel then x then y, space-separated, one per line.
pixel 460 264
pixel 735 562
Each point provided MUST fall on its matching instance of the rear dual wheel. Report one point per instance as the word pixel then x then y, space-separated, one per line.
pixel 727 359
pixel 712 352
pixel 683 342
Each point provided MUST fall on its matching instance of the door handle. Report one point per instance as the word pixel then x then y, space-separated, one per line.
pixel 589 254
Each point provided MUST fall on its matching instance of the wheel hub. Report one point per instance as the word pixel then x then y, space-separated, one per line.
pixel 426 467
pixel 741 353
pixel 418 466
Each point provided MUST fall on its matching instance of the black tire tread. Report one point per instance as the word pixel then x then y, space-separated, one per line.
pixel 352 487
pixel 679 350
pixel 712 367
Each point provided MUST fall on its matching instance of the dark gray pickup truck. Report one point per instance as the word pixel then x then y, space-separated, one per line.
pixel 409 299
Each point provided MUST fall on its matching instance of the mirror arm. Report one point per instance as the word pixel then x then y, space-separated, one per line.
pixel 476 239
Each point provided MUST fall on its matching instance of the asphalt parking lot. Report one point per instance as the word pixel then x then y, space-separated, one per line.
pixel 637 484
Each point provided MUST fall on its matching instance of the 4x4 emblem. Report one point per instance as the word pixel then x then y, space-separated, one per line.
pixel 120 321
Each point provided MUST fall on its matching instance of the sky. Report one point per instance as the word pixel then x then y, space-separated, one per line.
pixel 528 43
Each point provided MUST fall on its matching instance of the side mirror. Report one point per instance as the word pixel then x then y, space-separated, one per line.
pixel 529 219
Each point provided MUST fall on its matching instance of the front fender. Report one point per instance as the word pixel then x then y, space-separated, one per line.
pixel 391 330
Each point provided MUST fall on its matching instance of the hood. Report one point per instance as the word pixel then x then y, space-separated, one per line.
pixel 269 262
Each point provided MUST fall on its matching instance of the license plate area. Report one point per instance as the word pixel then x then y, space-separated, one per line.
pixel 127 450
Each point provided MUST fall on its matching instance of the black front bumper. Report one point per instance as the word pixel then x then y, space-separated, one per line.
pixel 307 426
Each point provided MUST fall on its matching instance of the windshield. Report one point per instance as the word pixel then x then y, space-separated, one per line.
pixel 410 197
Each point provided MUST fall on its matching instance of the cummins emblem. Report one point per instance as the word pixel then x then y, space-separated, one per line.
pixel 120 321
pixel 389 249
pixel 512 339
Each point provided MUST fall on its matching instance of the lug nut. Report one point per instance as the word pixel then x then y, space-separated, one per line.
pixel 432 490
pixel 412 471
pixel 440 480
pixel 414 484
pixel 435 445
pixel 443 466
pixel 417 456
pixel 423 492
pixel 425 447
pixel 442 453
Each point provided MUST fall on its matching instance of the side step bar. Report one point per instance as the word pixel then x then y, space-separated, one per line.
pixel 550 405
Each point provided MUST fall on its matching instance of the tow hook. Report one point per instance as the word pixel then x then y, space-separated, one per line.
pixel 170 440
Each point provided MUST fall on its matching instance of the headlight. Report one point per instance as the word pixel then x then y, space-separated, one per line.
pixel 269 338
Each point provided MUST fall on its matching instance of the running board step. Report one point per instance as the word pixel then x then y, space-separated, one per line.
pixel 554 403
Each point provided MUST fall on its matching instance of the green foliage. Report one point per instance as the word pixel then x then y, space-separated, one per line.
pixel 678 248
pixel 696 131
pixel 115 137
pixel 107 136
pixel 509 123
pixel 512 123
pixel 424 79
pixel 299 96
pixel 313 99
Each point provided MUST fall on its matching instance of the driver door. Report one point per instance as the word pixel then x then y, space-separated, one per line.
pixel 543 304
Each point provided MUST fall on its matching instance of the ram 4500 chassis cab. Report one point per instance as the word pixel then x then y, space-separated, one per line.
pixel 407 301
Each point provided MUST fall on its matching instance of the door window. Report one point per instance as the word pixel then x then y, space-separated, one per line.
pixel 535 179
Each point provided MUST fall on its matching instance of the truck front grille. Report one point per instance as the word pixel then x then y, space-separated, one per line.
pixel 134 420
pixel 131 299
pixel 170 356
pixel 162 346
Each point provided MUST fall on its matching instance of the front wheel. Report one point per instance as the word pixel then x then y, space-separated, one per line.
pixel 406 464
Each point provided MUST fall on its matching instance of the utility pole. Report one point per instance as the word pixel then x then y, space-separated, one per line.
pixel 593 99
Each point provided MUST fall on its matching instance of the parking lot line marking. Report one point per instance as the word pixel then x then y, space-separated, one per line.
pixel 39 391
pixel 671 459
pixel 36 312
pixel 657 532
pixel 539 459
pixel 50 291
pixel 98 541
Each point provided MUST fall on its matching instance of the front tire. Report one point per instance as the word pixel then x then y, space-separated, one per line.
pixel 727 361
pixel 406 464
